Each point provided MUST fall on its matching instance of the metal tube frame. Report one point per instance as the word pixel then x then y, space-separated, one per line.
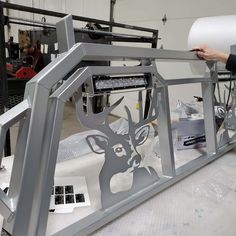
pixel 36 153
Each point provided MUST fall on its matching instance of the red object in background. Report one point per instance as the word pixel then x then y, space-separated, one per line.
pixel 25 73
pixel 21 73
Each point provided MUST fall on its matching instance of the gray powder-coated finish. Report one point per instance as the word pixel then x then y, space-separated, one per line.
pixel 25 208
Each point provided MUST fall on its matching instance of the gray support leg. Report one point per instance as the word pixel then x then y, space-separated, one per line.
pixel 19 157
pixel 43 191
pixel 165 134
pixel 17 169
pixel 31 164
pixel 209 117
pixel 18 163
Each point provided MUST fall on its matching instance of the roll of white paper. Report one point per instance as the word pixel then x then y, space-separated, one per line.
pixel 217 32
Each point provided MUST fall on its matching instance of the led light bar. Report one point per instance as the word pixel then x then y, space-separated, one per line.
pixel 104 83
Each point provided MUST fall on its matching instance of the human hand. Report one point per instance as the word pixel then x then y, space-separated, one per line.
pixel 210 54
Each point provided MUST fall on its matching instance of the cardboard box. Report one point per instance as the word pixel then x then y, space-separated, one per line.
pixel 190 134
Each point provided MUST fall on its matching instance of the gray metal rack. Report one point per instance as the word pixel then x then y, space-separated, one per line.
pixel 25 208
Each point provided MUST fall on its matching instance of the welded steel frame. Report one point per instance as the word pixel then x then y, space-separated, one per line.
pixel 25 209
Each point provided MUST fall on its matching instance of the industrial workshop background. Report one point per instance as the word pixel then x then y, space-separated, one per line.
pixel 173 19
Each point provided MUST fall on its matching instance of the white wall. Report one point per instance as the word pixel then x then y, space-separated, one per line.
pixel 180 16
pixel 174 33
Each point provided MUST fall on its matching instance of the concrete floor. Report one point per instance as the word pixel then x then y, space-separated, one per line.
pixel 201 204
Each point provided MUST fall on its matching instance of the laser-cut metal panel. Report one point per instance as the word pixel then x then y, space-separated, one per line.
pixel 120 150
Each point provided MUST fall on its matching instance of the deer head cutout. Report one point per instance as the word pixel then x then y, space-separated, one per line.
pixel 120 150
